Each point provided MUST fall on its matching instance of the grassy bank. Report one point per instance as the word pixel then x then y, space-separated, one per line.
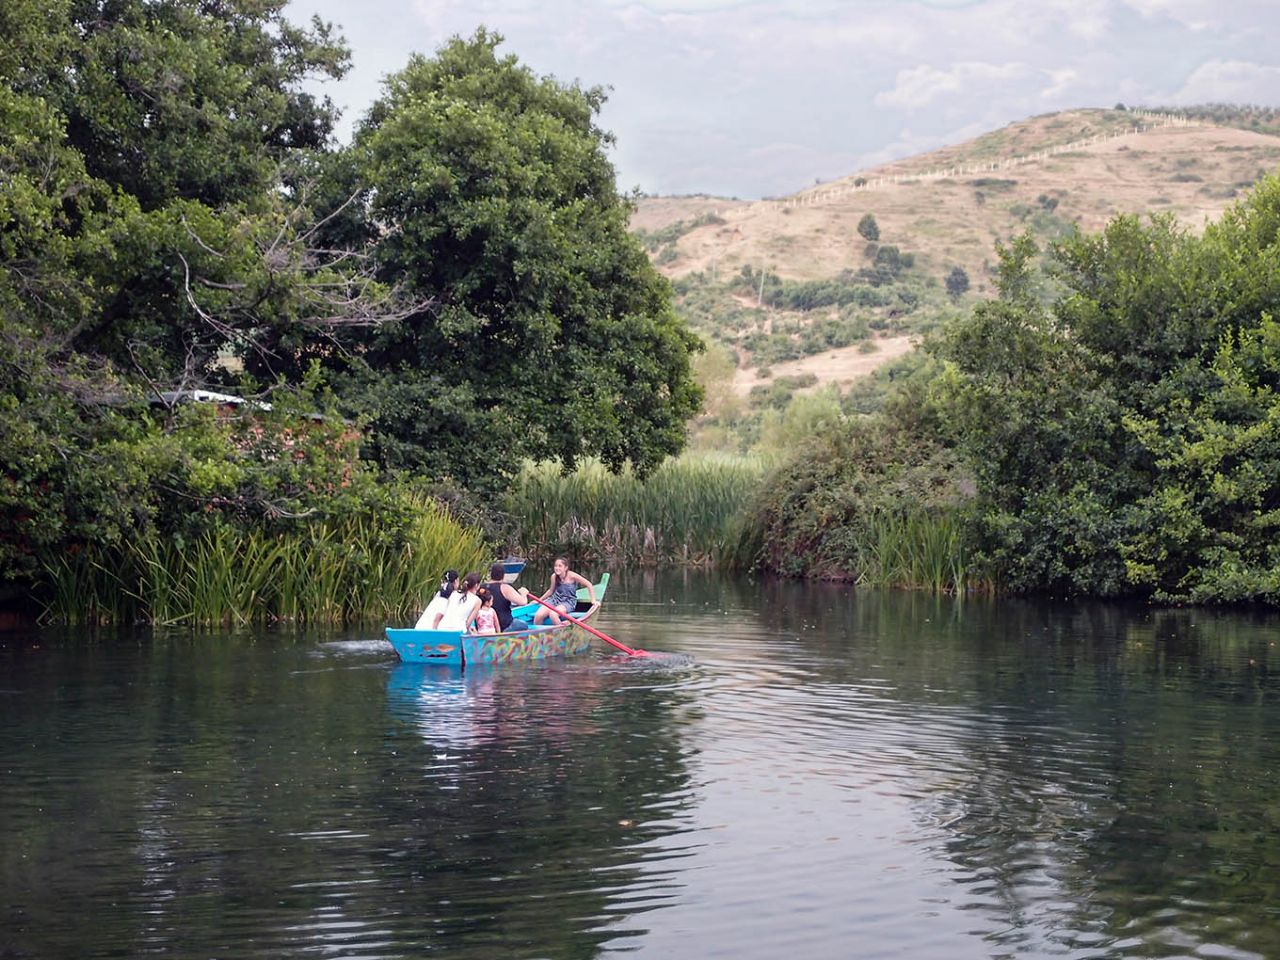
pixel 737 514
pixel 324 572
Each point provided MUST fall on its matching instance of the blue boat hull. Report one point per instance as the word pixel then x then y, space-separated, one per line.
pixel 451 648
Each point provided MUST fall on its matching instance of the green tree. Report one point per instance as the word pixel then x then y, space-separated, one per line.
pixel 189 99
pixel 146 230
pixel 549 334
pixel 957 283
pixel 868 229
pixel 143 147
pixel 1126 436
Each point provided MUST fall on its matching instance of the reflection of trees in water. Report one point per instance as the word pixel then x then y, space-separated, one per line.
pixel 241 798
pixel 540 807
pixel 1119 768
pixel 1102 776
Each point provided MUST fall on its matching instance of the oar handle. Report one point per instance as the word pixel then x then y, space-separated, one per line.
pixel 590 629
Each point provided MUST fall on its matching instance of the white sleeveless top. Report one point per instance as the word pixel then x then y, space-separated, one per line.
pixel 439 605
pixel 460 605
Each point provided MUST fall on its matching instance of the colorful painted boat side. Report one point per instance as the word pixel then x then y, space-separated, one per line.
pixel 451 648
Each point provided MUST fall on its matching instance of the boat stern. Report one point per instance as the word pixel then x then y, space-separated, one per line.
pixel 427 646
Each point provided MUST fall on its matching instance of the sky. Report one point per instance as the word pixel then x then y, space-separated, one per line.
pixel 748 99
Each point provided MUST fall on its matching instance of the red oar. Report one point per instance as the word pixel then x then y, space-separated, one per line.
pixel 592 630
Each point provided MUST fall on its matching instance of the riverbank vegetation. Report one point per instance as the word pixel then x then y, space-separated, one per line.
pixel 409 316
pixel 250 374
pixel 1108 426
pixel 361 567
pixel 686 511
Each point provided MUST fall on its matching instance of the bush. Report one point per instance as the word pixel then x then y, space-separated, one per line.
pixel 863 499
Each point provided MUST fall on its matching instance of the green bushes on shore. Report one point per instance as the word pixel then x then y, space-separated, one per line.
pixel 868 500
pixel 208 513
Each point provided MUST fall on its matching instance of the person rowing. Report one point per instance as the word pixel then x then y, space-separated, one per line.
pixel 562 595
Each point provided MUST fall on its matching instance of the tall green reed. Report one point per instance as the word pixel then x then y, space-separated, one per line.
pixel 684 511
pixel 921 550
pixel 326 571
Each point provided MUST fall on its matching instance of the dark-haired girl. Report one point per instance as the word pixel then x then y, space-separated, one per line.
pixel 562 593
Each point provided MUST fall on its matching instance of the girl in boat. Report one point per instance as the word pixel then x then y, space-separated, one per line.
pixel 463 606
pixel 563 593
pixel 486 616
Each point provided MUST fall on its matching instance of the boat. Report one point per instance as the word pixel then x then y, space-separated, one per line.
pixel 514 566
pixel 454 648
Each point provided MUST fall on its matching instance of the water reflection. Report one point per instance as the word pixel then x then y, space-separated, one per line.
pixel 826 772
pixel 547 801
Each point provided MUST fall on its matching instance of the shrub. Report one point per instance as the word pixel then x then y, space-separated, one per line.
pixel 863 499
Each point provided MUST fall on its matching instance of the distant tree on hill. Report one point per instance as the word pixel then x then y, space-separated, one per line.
pixel 868 228
pixel 957 283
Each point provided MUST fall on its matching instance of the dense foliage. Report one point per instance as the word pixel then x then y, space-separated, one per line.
pixel 174 215
pixel 547 333
pixel 1126 437
pixel 1109 426
pixel 870 499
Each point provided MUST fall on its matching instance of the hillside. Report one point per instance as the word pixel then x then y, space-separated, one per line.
pixel 824 287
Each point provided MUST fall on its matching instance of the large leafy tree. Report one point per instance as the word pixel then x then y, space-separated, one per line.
pixel 548 333
pixel 150 222
pixel 146 232
pixel 1126 433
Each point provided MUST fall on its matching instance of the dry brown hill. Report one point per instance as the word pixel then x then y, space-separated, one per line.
pixel 947 208
pixel 1194 171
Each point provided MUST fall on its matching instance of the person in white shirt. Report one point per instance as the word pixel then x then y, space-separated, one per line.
pixel 463 605
pixel 439 603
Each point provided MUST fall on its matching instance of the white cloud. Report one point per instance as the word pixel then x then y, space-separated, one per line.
pixel 661 7
pixel 435 15
pixel 1060 81
pixel 1196 14
pixel 1089 20
pixel 1230 81
pixel 919 86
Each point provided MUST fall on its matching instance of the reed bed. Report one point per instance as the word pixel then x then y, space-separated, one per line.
pixel 918 550
pixel 326 572
pixel 686 511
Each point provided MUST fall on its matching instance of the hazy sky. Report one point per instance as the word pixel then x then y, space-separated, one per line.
pixel 750 98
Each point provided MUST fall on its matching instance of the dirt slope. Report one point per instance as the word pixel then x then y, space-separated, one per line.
pixel 1193 171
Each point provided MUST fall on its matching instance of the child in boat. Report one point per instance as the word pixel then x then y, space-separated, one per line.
pixel 486 617
pixel 563 593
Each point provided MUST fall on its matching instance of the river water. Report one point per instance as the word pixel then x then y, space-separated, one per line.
pixel 812 771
